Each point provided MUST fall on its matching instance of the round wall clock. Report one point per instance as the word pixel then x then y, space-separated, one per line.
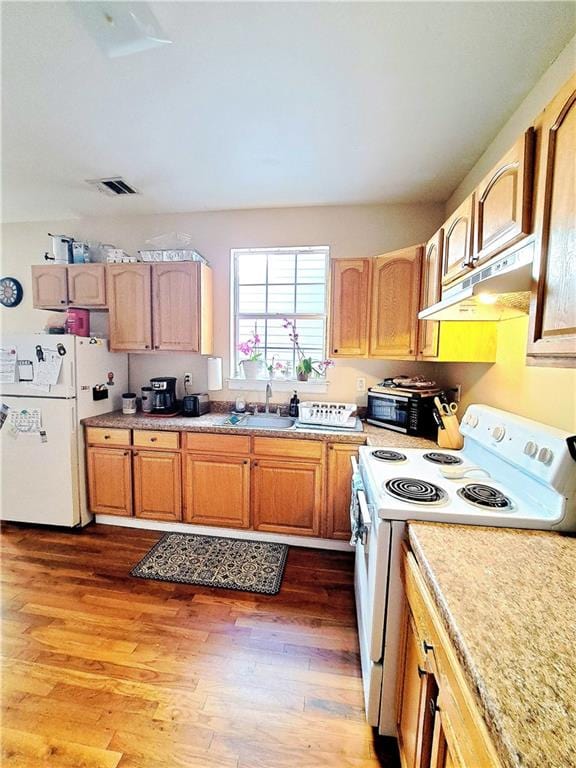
pixel 11 292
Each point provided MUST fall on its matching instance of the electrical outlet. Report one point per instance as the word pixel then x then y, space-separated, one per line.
pixel 457 392
pixel 360 384
pixel 187 378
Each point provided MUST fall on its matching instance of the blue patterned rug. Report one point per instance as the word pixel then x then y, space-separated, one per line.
pixel 212 561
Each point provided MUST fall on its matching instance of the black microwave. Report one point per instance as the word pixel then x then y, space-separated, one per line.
pixel 410 413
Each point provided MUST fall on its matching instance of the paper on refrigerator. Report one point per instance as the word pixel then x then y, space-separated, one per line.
pixel 8 357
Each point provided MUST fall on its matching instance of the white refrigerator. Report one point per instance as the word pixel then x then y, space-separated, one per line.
pixel 44 470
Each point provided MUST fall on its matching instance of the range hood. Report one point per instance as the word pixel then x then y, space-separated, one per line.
pixel 498 291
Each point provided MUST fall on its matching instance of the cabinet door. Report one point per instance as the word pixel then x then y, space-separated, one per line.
pixel 417 691
pixel 109 481
pixel 349 292
pixel 504 201
pixel 430 294
pixel 395 304
pixel 157 485
pixel 49 287
pixel 217 490
pixel 175 306
pixel 338 490
pixel 87 285
pixel 552 336
pixel 458 242
pixel 129 301
pixel 287 496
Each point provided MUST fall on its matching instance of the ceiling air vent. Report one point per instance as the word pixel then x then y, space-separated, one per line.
pixel 113 186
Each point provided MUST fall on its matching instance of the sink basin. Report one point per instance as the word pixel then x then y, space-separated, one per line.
pixel 264 421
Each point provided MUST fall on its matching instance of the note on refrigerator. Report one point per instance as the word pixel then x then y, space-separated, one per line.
pixel 8 357
pixel 47 371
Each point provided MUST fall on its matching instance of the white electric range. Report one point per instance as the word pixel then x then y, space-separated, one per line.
pixel 512 472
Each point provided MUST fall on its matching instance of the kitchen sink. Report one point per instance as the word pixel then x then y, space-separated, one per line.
pixel 263 421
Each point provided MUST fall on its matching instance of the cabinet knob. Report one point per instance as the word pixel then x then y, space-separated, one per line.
pixel 62 301
pixel 427 647
pixel 255 464
pixel 146 346
pixel 156 347
pixel 421 672
pixel 106 437
pixel 335 351
pixel 246 462
pixel 153 439
pixel 127 453
pixel 433 707
pixel 135 453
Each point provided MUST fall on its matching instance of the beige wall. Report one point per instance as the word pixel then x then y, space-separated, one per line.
pixel 350 231
pixel 541 393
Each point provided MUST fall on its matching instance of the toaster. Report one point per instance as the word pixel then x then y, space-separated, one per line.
pixel 195 405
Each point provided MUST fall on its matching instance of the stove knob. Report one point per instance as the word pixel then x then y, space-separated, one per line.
pixel 472 420
pixel 545 455
pixel 498 433
pixel 531 449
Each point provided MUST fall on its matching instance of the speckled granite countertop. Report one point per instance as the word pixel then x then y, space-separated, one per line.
pixel 212 422
pixel 508 601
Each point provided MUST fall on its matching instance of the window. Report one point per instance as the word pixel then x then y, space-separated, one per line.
pixel 270 286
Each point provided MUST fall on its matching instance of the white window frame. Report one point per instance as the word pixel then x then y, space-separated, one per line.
pixel 317 385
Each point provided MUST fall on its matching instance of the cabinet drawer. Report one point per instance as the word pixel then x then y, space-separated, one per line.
pixel 146 438
pixel 103 436
pixel 287 448
pixel 210 443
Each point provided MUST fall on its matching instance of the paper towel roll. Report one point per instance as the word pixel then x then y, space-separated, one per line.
pixel 214 373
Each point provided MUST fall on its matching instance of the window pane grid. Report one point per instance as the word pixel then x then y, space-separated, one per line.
pixel 271 285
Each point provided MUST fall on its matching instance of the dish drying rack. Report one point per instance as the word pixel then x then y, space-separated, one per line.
pixel 325 414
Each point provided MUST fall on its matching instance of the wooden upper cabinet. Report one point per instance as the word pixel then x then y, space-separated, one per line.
pixel 49 286
pixel 552 335
pixel 428 330
pixel 504 201
pixel 176 306
pixel 157 485
pixel 395 303
pixel 458 242
pixel 349 296
pixel 129 302
pixel 87 285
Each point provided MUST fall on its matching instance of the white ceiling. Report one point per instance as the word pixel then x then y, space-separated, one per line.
pixel 264 104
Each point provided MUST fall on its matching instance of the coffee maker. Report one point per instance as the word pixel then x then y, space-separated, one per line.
pixel 164 395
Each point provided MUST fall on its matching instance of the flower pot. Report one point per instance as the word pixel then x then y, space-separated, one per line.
pixel 302 376
pixel 252 368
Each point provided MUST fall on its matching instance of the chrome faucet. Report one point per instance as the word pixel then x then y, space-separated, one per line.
pixel 268 396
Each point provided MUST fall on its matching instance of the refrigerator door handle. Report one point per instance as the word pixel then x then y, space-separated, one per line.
pixel 73 418
pixel 72 381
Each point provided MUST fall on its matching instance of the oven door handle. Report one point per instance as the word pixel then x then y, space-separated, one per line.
pixel 365 519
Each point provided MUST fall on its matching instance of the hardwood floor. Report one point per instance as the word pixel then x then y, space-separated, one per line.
pixel 101 670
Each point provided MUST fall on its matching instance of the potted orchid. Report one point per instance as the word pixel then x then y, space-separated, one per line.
pixel 305 366
pixel 253 364
pixel 277 369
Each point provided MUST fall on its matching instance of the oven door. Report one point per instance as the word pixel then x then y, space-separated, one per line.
pixel 372 543
pixel 389 411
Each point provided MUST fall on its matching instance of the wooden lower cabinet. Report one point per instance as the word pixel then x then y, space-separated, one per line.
pixel 417 689
pixel 217 490
pixel 338 482
pixel 287 496
pixel 439 722
pixel 157 485
pixel 109 481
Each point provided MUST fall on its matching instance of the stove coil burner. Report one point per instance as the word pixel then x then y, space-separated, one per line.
pixel 414 490
pixel 442 458
pixel 484 496
pixel 389 455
